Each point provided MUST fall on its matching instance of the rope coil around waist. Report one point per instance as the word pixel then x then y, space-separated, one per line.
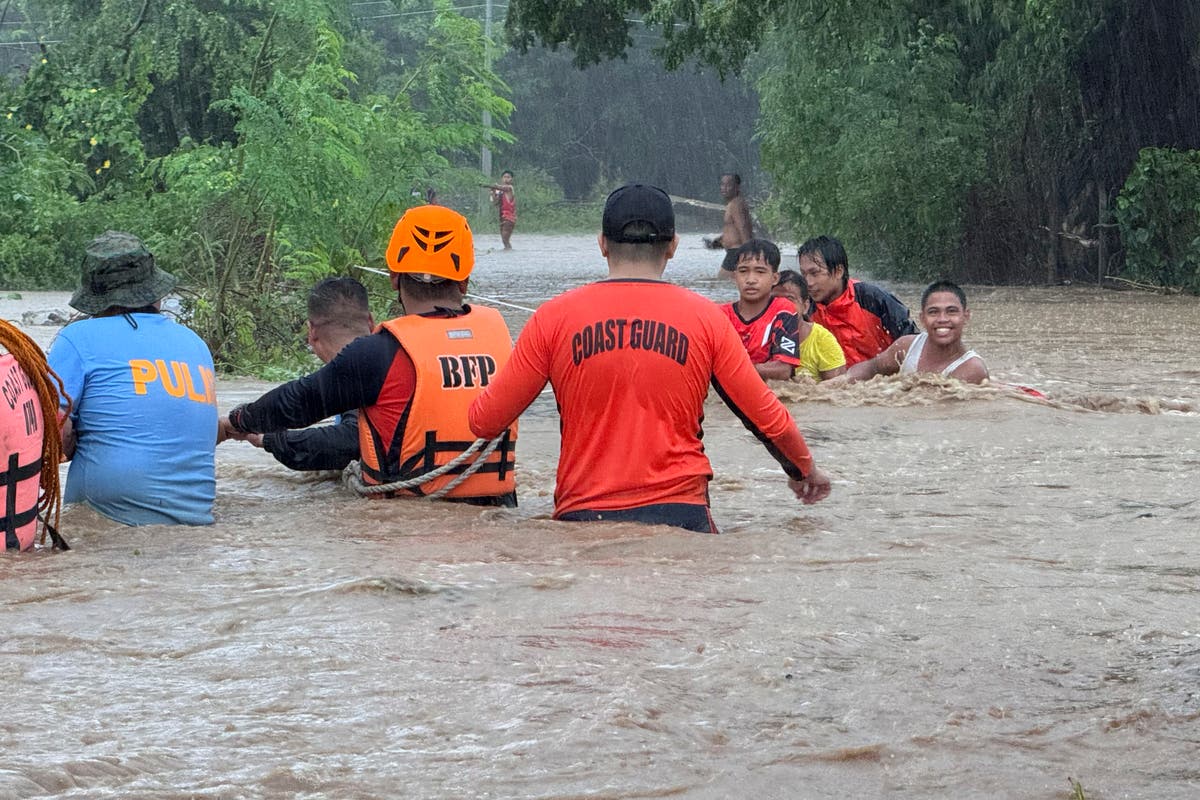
pixel 352 475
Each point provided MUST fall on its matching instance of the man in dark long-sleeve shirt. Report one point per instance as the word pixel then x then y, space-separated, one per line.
pixel 338 313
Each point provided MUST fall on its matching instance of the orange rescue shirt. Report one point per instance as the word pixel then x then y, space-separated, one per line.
pixel 631 362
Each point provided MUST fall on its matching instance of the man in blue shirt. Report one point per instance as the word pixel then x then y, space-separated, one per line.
pixel 143 427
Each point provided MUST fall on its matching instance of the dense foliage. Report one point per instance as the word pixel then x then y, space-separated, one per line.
pixel 255 146
pixel 980 138
pixel 1159 216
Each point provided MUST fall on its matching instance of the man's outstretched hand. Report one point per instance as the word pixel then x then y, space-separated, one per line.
pixel 814 488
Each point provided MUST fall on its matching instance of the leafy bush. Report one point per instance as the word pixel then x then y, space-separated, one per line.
pixel 241 147
pixel 1158 215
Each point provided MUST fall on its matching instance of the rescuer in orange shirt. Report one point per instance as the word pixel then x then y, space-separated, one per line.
pixel 630 359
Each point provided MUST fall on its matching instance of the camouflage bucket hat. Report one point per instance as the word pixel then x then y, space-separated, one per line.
pixel 118 270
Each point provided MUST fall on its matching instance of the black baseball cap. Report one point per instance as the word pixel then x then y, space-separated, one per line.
pixel 637 202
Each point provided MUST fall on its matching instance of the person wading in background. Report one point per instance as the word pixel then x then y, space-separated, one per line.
pixel 737 228
pixel 505 199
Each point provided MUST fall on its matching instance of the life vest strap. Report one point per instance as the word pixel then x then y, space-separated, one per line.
pixel 352 475
pixel 17 472
pixel 56 538
pixel 426 461
pixel 14 519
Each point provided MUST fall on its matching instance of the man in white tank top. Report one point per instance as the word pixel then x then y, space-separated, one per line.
pixel 939 349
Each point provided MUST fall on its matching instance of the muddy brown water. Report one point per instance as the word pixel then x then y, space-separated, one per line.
pixel 999 597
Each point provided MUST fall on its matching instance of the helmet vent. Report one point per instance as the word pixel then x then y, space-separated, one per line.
pixel 431 241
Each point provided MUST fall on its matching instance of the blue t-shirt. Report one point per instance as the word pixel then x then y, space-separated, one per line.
pixel 145 414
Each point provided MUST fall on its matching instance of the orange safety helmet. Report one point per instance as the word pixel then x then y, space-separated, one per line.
pixel 432 243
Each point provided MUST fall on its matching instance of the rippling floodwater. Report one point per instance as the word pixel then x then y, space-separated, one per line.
pixel 1000 595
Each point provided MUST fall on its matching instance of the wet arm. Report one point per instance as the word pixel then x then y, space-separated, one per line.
pixel 67 438
pixel 774 370
pixel 886 363
pixel 827 374
pixel 974 371
pixel 324 447
pixel 514 387
pixel 352 380
pixel 739 386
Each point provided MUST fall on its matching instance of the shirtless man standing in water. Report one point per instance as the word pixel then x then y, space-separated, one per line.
pixel 737 228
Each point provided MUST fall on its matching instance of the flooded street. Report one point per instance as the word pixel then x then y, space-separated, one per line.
pixel 999 596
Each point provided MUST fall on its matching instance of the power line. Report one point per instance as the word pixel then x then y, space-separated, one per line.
pixel 430 11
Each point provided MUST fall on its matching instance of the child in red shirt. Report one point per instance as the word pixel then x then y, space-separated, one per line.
pixel 768 326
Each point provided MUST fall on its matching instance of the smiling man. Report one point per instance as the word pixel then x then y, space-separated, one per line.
pixel 864 318
pixel 940 350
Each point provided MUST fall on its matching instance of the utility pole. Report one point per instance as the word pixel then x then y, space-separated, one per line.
pixel 485 155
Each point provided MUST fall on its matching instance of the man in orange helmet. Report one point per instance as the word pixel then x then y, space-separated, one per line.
pixel 414 378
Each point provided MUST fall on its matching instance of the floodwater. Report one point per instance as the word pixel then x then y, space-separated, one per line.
pixel 1000 597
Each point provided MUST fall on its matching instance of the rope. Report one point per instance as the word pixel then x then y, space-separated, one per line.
pixel 352 475
pixel 472 295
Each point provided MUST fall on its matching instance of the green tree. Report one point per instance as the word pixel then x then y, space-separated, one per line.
pixel 873 142
pixel 241 145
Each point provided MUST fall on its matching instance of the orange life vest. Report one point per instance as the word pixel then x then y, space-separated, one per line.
pixel 21 430
pixel 454 359
pixel 856 320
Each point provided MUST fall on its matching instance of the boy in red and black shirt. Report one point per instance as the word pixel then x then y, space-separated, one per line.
pixel 767 325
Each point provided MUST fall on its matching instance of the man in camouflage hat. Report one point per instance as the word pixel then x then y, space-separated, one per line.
pixel 118 271
pixel 142 431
